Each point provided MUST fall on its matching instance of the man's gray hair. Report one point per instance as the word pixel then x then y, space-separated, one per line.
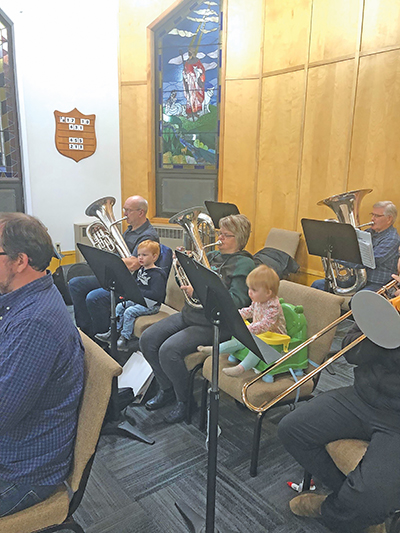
pixel 24 234
pixel 390 209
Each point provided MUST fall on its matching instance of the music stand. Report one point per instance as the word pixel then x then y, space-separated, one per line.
pixel 221 312
pixel 218 210
pixel 331 240
pixel 113 276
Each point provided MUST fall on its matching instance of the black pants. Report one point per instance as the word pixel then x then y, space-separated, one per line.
pixel 369 493
pixel 165 346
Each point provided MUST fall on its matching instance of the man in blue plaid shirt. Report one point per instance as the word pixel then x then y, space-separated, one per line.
pixel 385 243
pixel 41 368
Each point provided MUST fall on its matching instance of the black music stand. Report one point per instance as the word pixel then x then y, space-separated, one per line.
pixel 331 240
pixel 113 276
pixel 218 210
pixel 221 312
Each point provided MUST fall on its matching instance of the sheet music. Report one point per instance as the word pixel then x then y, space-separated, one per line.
pixel 270 355
pixel 149 302
pixel 135 373
pixel 366 248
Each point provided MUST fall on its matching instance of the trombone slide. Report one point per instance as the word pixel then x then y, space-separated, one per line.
pixel 267 405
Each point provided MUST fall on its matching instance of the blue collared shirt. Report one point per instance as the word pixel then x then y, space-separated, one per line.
pixel 386 251
pixel 41 380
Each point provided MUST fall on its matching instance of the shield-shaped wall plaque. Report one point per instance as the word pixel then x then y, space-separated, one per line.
pixel 75 134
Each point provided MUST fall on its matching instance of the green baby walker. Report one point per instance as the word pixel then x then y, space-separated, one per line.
pixel 296 326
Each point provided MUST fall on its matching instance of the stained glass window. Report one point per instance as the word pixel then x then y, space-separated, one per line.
pixel 188 62
pixel 10 162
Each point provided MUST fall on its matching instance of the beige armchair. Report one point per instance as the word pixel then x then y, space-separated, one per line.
pixel 320 309
pixel 174 302
pixel 346 454
pixel 55 513
pixel 281 239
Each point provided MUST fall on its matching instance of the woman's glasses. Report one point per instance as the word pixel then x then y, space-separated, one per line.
pixel 226 235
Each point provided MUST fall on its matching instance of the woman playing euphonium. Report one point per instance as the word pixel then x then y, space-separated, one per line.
pixel 166 343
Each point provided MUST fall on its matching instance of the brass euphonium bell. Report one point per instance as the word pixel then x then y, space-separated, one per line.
pixel 194 222
pixel 105 234
pixel 346 207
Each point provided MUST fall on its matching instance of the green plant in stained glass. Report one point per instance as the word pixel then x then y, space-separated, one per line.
pixel 189 63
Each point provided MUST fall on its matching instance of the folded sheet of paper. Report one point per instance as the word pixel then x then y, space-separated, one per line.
pixel 366 248
pixel 136 374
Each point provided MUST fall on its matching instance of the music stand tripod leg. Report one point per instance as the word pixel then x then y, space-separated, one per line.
pixel 194 520
pixel 119 424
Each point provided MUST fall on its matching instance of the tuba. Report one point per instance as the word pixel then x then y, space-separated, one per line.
pixel 346 207
pixel 200 228
pixel 105 234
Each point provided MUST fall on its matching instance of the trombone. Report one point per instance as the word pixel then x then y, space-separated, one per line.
pixel 268 404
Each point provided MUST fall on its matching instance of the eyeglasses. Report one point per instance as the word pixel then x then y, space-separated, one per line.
pixel 226 235
pixel 375 215
pixel 130 210
pixel 3 253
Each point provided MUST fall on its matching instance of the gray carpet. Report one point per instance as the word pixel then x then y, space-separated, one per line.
pixel 133 486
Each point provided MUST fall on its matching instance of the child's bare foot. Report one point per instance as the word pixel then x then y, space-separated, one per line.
pixel 234 371
pixel 206 350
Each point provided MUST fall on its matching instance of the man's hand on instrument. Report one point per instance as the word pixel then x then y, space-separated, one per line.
pixel 397 278
pixel 180 249
pixel 131 263
pixel 188 289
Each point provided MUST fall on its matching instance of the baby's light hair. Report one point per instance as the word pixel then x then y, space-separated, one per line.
pixel 153 246
pixel 264 277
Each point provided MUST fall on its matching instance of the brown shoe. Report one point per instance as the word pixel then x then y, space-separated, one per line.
pixel 307 504
pixel 380 528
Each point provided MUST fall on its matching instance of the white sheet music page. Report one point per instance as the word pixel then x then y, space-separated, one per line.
pixel 366 248
pixel 135 373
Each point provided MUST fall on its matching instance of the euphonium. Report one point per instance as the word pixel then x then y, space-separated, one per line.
pixel 105 234
pixel 346 207
pixel 193 221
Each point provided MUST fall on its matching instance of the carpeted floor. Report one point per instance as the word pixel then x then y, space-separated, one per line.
pixel 133 486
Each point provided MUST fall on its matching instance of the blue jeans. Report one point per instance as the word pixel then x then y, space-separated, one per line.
pixel 320 284
pixel 127 313
pixel 16 497
pixel 91 304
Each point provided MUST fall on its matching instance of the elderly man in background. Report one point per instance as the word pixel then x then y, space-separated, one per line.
pixel 41 368
pixel 91 302
pixel 385 243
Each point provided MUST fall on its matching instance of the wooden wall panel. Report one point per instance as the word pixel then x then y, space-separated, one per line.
pixel 375 152
pixel 286 33
pixel 134 17
pixel 279 158
pixel 244 35
pixel 381 26
pixel 326 138
pixel 240 145
pixel 281 121
pixel 334 29
pixel 134 142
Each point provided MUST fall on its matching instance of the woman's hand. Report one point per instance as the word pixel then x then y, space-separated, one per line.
pixel 188 289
